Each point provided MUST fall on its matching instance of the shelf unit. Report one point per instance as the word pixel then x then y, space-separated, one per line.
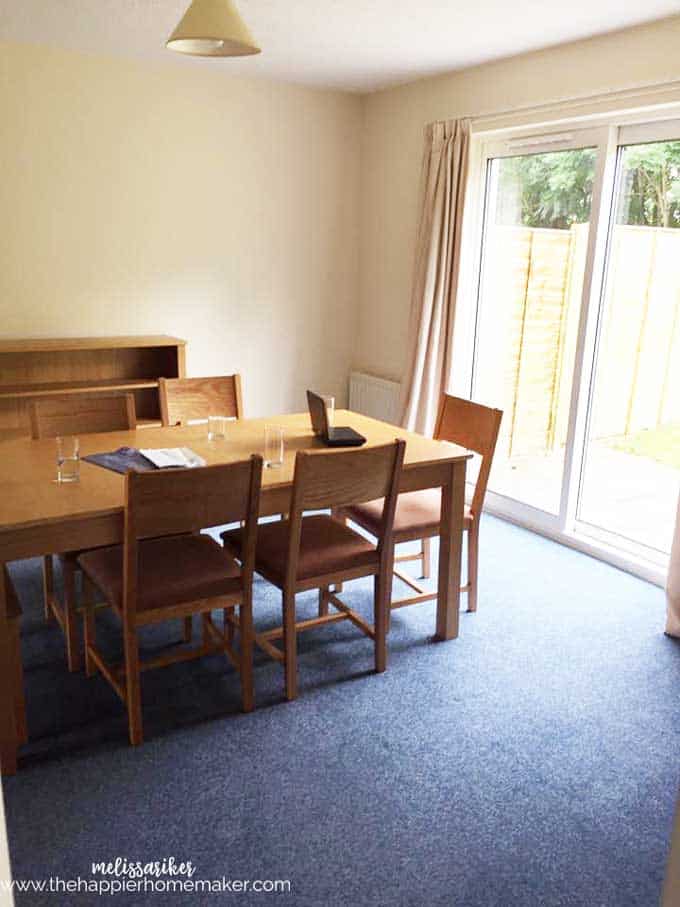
pixel 34 369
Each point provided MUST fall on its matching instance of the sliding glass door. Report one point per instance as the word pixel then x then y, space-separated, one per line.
pixel 535 242
pixel 576 331
pixel 631 470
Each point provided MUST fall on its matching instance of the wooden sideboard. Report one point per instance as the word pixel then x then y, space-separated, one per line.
pixel 34 369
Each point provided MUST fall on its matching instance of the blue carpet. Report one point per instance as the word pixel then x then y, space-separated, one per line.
pixel 533 761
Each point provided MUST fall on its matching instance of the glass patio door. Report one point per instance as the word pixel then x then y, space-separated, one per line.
pixel 535 247
pixel 576 334
pixel 631 468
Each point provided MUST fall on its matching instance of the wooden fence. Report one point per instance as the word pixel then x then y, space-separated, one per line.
pixel 533 286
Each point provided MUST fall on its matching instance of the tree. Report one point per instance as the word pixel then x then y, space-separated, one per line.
pixel 651 185
pixel 555 189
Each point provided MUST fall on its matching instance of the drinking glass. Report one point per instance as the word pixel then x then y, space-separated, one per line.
pixel 217 427
pixel 330 408
pixel 273 446
pixel 68 459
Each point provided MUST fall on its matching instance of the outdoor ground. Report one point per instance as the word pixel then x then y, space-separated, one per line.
pixel 661 444
pixel 630 487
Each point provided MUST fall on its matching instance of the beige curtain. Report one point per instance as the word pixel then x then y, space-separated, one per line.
pixel 671 889
pixel 435 282
pixel 673 586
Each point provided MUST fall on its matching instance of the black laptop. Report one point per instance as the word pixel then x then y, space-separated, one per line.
pixel 332 437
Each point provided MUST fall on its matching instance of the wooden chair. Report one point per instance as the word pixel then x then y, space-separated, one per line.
pixel 417 515
pixel 164 571
pixel 316 552
pixel 187 399
pixel 14 676
pixel 82 414
pixel 75 415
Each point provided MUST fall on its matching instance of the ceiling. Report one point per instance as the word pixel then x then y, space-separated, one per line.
pixel 356 45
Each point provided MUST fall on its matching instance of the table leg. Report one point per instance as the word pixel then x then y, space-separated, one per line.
pixel 450 552
pixel 8 735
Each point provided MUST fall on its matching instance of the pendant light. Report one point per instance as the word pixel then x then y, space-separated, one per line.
pixel 212 28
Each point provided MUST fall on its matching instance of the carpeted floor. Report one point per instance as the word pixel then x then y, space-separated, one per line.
pixel 533 761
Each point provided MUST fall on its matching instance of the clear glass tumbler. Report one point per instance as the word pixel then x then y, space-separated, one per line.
pixel 273 446
pixel 217 427
pixel 68 459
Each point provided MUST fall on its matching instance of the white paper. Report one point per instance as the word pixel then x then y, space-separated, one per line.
pixel 173 456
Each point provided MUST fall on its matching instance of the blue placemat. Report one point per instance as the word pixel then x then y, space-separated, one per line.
pixel 125 459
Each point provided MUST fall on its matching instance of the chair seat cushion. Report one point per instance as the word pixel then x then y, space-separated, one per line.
pixel 171 571
pixel 326 546
pixel 417 512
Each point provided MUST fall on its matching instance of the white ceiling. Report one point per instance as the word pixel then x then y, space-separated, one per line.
pixel 358 45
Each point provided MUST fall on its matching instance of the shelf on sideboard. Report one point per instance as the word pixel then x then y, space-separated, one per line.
pixel 14 434
pixel 64 388
pixel 60 344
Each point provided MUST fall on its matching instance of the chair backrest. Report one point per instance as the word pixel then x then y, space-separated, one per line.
pixel 473 426
pixel 185 399
pixel 176 501
pixel 82 415
pixel 337 479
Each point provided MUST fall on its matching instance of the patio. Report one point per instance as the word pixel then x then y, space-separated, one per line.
pixel 632 495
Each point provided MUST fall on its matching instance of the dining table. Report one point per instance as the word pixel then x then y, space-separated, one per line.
pixel 40 516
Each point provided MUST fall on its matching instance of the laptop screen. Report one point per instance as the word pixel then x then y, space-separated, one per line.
pixel 318 414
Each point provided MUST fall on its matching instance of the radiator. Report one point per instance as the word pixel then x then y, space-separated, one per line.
pixel 375 397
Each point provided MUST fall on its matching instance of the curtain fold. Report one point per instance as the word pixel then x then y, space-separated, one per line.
pixel 435 281
pixel 673 585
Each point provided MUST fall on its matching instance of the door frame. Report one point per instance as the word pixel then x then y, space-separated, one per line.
pixel 606 136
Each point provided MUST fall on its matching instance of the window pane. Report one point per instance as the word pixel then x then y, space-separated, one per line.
pixel 534 254
pixel 632 467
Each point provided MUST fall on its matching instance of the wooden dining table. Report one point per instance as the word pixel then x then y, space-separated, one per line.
pixel 38 516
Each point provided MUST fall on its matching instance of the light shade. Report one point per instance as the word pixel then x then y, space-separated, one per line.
pixel 212 28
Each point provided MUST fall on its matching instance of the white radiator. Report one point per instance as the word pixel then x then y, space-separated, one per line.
pixel 375 397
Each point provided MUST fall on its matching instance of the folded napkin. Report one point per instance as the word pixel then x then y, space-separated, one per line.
pixel 166 457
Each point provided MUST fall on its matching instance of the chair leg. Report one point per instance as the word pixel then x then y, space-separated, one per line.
pixel 48 585
pixel 247 632
pixel 473 566
pixel 133 686
pixel 389 587
pixel 290 644
pixel 323 601
pixel 188 629
pixel 337 515
pixel 228 626
pixel 73 649
pixel 18 684
pixel 426 558
pixel 205 632
pixel 381 606
pixel 88 602
pixel 89 637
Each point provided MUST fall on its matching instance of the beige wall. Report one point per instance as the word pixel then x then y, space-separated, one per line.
pixel 393 129
pixel 151 199
pixel 147 198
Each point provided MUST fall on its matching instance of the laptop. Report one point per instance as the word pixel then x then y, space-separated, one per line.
pixel 343 436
